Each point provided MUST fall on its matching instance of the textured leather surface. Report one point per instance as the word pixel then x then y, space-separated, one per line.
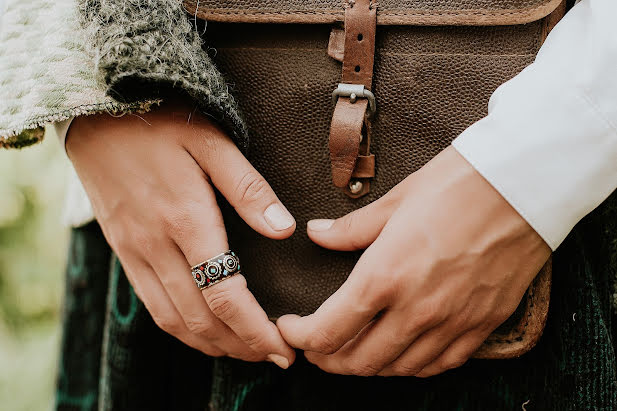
pixel 430 83
pixel 390 12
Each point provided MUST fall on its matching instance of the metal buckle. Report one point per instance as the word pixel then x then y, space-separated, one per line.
pixel 354 92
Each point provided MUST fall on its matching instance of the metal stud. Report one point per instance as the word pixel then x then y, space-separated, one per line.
pixel 353 98
pixel 355 186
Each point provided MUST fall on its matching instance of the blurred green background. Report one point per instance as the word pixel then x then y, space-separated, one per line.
pixel 33 245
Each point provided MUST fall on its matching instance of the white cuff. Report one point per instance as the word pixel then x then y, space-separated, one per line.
pixel 77 207
pixel 553 164
pixel 62 129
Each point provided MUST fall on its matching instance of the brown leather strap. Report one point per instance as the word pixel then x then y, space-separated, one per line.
pixel 365 167
pixel 336 44
pixel 345 137
pixel 350 115
pixel 360 29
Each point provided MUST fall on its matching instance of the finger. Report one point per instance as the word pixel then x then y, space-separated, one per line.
pixel 356 230
pixel 339 319
pixel 230 300
pixel 173 271
pixel 331 363
pixel 246 189
pixel 162 310
pixel 233 303
pixel 377 346
pixel 421 352
pixel 456 354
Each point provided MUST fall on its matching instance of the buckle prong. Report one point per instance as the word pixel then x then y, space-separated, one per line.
pixel 355 91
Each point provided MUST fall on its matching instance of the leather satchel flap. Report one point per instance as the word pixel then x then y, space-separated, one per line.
pixel 389 12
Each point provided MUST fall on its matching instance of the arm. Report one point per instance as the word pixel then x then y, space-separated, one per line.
pixel 151 178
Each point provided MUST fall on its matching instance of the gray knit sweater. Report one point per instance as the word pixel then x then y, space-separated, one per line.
pixel 64 58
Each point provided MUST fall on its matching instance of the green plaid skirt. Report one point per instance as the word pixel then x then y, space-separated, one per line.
pixel 115 358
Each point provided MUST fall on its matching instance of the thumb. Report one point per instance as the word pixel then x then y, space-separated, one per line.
pixel 245 189
pixel 357 230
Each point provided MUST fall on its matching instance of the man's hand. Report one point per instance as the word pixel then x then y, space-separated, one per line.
pixel 150 180
pixel 448 261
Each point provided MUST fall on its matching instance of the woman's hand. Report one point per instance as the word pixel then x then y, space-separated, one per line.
pixel 448 260
pixel 150 179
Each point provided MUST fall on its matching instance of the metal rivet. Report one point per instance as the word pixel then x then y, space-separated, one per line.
pixel 353 98
pixel 355 186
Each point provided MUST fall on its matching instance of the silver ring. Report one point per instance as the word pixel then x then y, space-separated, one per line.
pixel 216 269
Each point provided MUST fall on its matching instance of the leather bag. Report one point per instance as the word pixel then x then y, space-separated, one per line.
pixel 408 77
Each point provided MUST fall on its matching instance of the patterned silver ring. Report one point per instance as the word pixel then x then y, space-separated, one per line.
pixel 216 269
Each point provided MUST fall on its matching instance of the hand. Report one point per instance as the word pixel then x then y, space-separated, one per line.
pixel 150 179
pixel 448 260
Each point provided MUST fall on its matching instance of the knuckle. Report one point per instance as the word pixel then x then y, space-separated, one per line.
pixel 452 361
pixel 407 332
pixel 377 295
pixel 363 369
pixel 176 222
pixel 322 342
pixel 201 327
pixel 251 187
pixel 255 341
pixel 370 293
pixel 406 370
pixel 462 321
pixel 428 314
pixel 221 303
pixel 422 321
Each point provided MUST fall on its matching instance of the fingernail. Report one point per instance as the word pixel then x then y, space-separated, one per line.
pixel 320 225
pixel 279 360
pixel 278 217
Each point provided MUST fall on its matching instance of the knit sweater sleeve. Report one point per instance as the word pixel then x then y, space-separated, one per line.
pixel 65 58
pixel 148 49
pixel 46 74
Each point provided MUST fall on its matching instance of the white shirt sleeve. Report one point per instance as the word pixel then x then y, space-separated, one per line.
pixel 549 142
pixel 77 207
pixel 62 129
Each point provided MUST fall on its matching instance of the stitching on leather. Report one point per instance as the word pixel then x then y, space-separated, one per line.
pixel 471 12
pixel 389 53
pixel 381 53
